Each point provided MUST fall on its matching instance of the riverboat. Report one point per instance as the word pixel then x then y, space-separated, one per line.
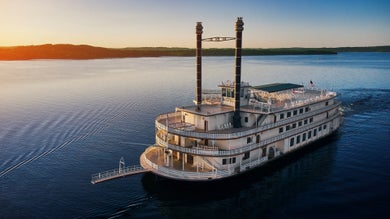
pixel 238 127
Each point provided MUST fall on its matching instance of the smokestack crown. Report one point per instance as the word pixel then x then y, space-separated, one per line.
pixel 239 24
pixel 199 28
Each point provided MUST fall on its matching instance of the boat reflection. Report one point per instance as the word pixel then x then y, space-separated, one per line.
pixel 250 195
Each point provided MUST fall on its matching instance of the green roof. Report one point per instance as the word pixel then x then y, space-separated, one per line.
pixel 270 88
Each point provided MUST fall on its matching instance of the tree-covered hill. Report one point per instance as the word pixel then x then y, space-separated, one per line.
pixel 68 51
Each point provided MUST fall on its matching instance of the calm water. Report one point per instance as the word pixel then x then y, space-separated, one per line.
pixel 61 121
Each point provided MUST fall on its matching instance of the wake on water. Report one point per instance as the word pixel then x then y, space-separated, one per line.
pixel 93 122
pixel 355 101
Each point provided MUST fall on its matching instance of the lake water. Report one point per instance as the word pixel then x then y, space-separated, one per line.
pixel 62 120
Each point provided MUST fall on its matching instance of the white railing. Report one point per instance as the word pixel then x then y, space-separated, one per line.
pixel 115 173
pixel 269 108
pixel 217 153
pixel 206 147
pixel 173 173
pixel 170 118
pixel 221 134
pixel 260 106
pixel 192 175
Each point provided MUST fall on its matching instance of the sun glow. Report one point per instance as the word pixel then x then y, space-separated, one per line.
pixel 137 24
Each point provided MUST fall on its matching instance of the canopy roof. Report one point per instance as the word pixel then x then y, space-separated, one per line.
pixel 275 87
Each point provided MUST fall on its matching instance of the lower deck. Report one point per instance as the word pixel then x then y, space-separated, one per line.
pixel 191 165
pixel 166 158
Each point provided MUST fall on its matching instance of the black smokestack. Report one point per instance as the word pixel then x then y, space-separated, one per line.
pixel 237 82
pixel 199 31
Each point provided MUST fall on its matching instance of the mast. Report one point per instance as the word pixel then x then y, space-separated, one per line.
pixel 237 81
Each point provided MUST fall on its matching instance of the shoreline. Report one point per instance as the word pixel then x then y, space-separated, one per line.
pixel 85 52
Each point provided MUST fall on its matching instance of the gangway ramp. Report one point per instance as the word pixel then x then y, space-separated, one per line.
pixel 117 173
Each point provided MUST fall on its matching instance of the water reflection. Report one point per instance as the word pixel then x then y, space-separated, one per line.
pixel 260 193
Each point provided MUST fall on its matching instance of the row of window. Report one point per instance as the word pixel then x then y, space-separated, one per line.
pixel 298 139
pixel 294 112
pixel 250 139
pixel 294 125
pixel 246 157
pixel 297 111
pixel 229 92
pixel 228 160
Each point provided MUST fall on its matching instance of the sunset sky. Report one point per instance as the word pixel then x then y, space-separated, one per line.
pixel 171 23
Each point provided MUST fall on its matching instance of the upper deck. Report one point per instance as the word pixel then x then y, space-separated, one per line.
pixel 263 99
pixel 271 102
pixel 215 119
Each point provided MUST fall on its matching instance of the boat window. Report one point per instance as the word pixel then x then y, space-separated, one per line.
pixel 224 92
pixel 227 92
pixel 264 153
pixel 231 93
pixel 228 160
pixel 246 155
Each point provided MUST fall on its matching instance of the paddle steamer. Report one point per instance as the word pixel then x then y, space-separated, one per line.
pixel 238 127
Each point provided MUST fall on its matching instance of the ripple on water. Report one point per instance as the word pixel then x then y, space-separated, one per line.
pixel 39 137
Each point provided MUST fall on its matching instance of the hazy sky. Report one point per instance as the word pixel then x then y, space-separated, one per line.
pixel 171 23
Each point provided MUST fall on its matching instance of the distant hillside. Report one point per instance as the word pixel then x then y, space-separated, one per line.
pixel 68 51
pixel 363 49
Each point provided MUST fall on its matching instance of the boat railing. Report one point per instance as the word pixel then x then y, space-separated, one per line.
pixel 200 175
pixel 114 173
pixel 169 172
pixel 211 95
pixel 206 147
pixel 250 147
pixel 223 134
pixel 252 163
pixel 269 108
pixel 260 106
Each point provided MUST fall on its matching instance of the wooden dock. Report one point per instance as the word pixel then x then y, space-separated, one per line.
pixel 117 173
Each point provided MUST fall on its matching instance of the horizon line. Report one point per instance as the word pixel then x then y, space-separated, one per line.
pixel 138 47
